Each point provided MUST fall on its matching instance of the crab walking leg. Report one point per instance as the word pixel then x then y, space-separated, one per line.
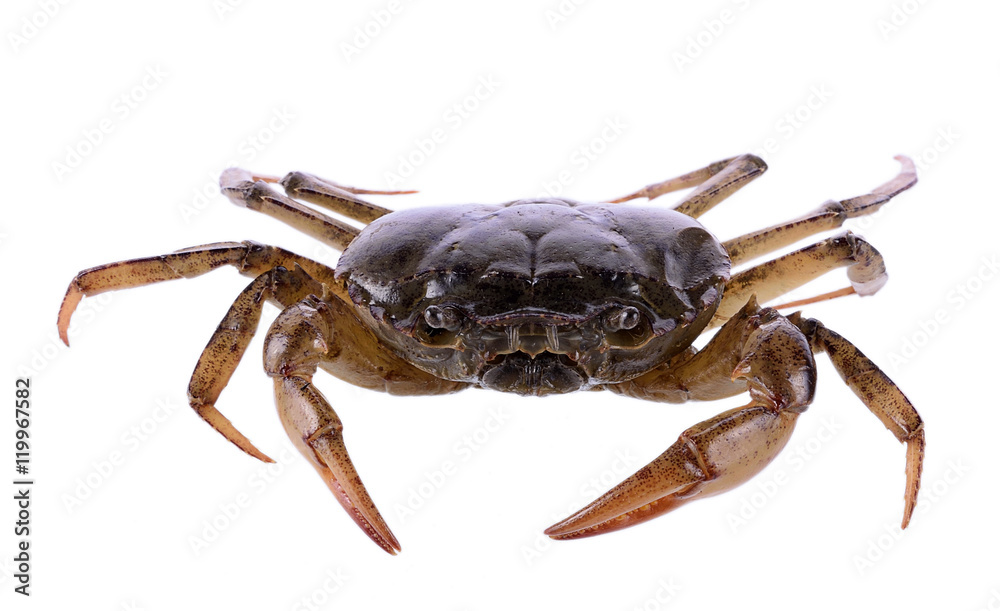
pixel 879 394
pixel 227 345
pixel 771 279
pixel 830 215
pixel 714 183
pixel 241 189
pixel 773 361
pixel 250 258
pixel 332 196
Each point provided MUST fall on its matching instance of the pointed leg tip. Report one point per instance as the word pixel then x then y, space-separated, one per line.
pixel 252 450
pixel 69 303
pixel 626 198
pixel 265 177
pixel 220 423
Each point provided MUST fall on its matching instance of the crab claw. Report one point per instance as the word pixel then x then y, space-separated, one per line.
pixel 709 458
pixel 318 434
pixel 668 482
pixel 299 336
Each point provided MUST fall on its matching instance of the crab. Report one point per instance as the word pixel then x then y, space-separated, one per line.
pixel 537 297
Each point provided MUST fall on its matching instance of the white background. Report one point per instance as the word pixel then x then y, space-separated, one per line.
pixel 926 87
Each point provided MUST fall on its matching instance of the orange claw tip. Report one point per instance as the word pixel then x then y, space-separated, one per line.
pixel 69 303
pixel 571 528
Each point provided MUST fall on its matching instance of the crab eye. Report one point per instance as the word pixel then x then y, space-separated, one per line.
pixel 622 319
pixel 443 317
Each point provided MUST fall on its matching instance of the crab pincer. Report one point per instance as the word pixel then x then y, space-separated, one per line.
pixel 777 367
pixel 300 337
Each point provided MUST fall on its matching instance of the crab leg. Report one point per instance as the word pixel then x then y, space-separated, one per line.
pixel 336 197
pixel 227 345
pixel 715 182
pixel 243 190
pixel 230 339
pixel 771 279
pixel 250 258
pixel 774 362
pixel 301 336
pixel 830 215
pixel 879 393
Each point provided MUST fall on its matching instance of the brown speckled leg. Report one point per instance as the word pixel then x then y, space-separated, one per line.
pixel 336 197
pixel 312 333
pixel 758 350
pixel 250 191
pixel 250 258
pixel 771 279
pixel 830 215
pixel 879 394
pixel 715 182
pixel 227 345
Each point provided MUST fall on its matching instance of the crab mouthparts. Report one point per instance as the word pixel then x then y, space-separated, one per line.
pixel 537 357
pixel 535 338
pixel 527 375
